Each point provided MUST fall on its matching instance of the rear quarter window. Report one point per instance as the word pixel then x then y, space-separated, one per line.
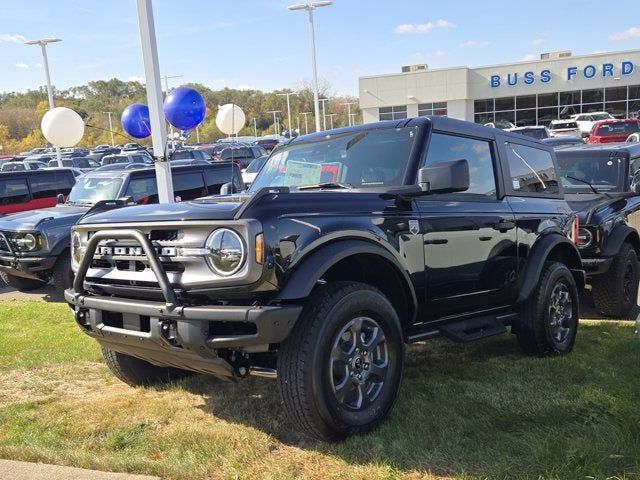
pixel 13 190
pixel 531 170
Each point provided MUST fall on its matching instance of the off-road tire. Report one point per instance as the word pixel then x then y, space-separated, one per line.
pixel 20 283
pixel 306 362
pixel 535 325
pixel 138 373
pixel 62 273
pixel 610 296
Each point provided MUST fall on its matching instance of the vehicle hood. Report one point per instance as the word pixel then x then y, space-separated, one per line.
pixel 588 206
pixel 42 218
pixel 222 207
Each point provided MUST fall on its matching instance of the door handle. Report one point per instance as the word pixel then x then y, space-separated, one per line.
pixel 436 241
pixel 504 225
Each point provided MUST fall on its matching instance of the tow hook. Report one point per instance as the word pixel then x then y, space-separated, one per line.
pixel 82 318
pixel 169 331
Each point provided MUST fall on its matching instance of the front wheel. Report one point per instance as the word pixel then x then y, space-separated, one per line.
pixel 615 292
pixel 20 283
pixel 136 372
pixel 340 369
pixel 62 274
pixel 548 320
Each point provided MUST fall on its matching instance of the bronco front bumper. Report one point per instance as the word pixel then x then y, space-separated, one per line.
pixel 169 333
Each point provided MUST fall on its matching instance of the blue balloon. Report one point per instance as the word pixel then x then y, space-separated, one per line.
pixel 185 108
pixel 135 120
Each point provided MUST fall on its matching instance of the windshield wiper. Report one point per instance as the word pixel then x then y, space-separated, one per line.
pixel 326 185
pixel 593 189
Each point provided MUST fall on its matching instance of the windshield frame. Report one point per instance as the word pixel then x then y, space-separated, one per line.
pixel 622 182
pixel 421 129
pixel 90 201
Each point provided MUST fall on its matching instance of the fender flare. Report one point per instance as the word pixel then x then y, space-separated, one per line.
pixel 538 256
pixel 620 235
pixel 314 265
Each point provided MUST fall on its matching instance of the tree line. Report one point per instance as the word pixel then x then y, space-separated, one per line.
pixel 21 112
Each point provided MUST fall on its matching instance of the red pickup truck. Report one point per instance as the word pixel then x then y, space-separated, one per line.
pixel 609 131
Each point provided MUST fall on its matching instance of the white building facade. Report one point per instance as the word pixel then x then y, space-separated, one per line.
pixel 525 93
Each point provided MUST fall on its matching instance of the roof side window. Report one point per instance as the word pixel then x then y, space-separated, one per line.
pixel 478 153
pixel 531 170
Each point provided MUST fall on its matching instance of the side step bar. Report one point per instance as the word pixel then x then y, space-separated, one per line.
pixel 467 330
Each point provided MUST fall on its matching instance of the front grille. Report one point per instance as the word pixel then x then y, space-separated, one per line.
pixel 163 235
pixel 5 237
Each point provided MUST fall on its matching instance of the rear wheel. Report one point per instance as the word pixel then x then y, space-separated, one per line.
pixel 615 292
pixel 339 371
pixel 20 283
pixel 136 372
pixel 548 321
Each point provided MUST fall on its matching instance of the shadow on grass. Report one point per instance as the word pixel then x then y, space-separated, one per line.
pixel 484 410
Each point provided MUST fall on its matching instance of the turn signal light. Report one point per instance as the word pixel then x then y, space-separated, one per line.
pixel 259 249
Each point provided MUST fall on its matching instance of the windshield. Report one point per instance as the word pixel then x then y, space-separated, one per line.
pixel 89 190
pixel 241 152
pixel 560 125
pixel 182 155
pixel 621 128
pixel 605 174
pixel 370 158
pixel 256 165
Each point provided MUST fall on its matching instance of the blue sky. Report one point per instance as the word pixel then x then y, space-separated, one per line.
pixel 260 44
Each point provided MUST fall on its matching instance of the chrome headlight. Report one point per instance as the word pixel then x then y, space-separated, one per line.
pixel 226 252
pixel 78 249
pixel 27 242
pixel 585 238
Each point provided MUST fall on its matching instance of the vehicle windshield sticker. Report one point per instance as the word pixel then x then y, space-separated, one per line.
pixel 302 173
pixel 516 184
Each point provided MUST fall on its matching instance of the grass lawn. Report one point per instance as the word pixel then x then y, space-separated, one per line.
pixel 482 410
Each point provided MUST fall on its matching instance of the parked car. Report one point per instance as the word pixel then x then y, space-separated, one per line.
pixel 602 183
pixel 85 164
pixel 267 143
pixel 610 131
pixel 242 155
pixel 346 247
pixel 562 141
pixel 74 152
pixel 189 153
pixel 22 165
pixel 34 246
pixel 249 174
pixel 538 132
pixel 564 128
pixel 501 124
pixel 31 189
pixel 127 157
pixel 586 121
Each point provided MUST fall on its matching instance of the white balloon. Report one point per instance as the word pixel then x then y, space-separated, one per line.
pixel 62 127
pixel 230 119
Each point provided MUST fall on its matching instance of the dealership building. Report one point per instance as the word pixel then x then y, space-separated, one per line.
pixel 525 93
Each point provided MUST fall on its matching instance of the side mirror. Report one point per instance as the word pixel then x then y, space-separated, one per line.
pixel 445 177
pixel 59 199
pixel 227 189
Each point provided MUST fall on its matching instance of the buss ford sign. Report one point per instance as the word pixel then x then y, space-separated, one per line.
pixel 545 76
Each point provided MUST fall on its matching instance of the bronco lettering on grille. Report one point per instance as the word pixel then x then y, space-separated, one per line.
pixel 134 251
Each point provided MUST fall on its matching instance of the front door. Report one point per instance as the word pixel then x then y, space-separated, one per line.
pixel 469 237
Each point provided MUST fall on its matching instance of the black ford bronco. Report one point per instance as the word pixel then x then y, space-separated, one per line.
pixel 34 245
pixel 602 183
pixel 350 244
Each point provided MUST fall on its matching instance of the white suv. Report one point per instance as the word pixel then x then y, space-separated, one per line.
pixel 564 128
pixel 585 121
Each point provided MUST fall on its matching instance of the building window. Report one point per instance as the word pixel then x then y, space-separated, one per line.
pixel 540 109
pixel 438 108
pixel 398 112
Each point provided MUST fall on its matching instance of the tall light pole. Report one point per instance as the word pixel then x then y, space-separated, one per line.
pixel 110 127
pixel 348 104
pixel 324 117
pixel 288 94
pixel 255 128
pixel 45 63
pixel 306 123
pixel 154 99
pixel 331 115
pixel 275 120
pixel 310 7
